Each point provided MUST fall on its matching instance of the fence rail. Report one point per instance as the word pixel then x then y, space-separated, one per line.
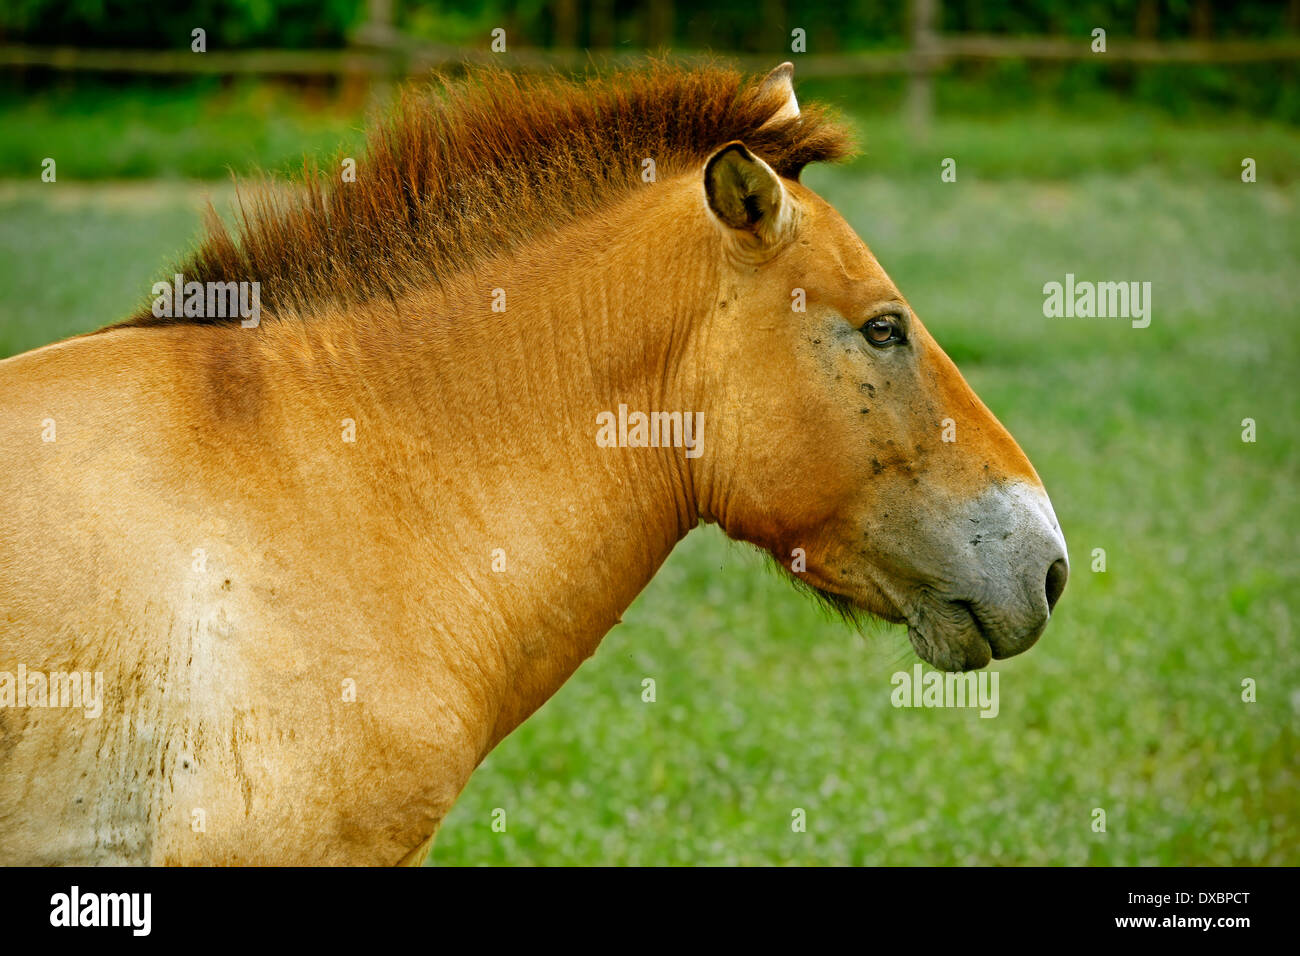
pixel 937 51
pixel 929 53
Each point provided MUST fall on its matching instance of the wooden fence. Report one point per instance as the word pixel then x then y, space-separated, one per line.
pixel 381 52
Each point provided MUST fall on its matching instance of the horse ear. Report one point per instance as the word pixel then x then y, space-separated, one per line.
pixel 744 192
pixel 781 80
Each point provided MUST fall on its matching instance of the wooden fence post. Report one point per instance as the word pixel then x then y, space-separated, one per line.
pixel 920 84
pixel 380 35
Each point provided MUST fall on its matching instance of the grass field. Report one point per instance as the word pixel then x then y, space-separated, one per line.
pixel 1131 703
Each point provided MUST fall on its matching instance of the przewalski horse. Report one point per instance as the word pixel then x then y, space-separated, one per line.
pixel 325 563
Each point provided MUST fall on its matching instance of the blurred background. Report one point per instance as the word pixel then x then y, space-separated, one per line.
pixel 1123 165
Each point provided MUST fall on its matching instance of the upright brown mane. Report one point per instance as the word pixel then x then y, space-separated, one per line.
pixel 463 170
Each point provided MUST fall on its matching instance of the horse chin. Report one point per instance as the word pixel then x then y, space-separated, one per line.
pixel 959 648
pixel 944 634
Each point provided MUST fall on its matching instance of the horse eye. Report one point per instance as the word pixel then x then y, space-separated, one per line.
pixel 881 331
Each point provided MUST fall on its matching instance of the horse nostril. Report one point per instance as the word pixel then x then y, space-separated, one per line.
pixel 1056 576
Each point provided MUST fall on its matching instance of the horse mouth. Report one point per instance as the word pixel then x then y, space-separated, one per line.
pixel 964 647
pixel 946 634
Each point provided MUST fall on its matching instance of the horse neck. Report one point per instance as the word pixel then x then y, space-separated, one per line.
pixel 490 419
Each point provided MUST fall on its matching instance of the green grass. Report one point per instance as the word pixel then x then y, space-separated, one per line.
pixel 200 130
pixel 1132 700
pixel 194 130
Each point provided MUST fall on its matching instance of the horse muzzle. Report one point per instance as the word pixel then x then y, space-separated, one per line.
pixel 1000 592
